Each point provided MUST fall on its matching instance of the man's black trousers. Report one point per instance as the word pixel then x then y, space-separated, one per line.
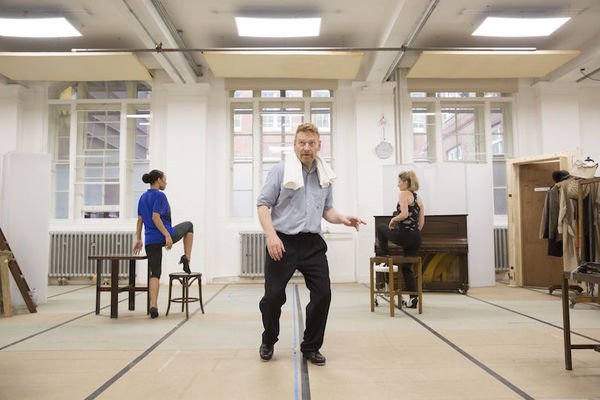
pixel 306 253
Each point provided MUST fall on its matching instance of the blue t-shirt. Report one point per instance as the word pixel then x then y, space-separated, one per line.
pixel 155 201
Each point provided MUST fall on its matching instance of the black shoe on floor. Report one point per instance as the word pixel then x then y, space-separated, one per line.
pixel 153 312
pixel 315 357
pixel 266 352
pixel 186 264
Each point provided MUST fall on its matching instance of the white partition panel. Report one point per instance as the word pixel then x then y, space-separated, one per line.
pixel 24 207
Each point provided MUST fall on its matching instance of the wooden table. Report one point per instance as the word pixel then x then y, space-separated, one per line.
pixel 114 288
pixel 580 277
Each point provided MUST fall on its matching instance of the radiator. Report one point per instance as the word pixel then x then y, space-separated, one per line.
pixel 252 254
pixel 501 249
pixel 69 252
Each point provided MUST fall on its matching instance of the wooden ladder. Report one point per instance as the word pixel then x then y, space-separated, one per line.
pixel 14 268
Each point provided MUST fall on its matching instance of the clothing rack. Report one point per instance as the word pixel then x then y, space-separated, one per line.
pixel 580 184
pixel 581 243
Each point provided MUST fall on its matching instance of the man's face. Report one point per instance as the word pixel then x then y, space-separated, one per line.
pixel 306 146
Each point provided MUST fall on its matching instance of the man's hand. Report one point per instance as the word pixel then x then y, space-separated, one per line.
pixel 138 247
pixel 354 222
pixel 275 247
pixel 168 242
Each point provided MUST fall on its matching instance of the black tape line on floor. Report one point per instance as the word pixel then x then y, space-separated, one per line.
pixel 149 350
pixel 533 318
pixel 469 357
pixel 58 326
pixel 71 291
pixel 305 382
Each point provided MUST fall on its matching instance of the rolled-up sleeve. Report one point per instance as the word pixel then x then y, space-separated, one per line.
pixel 329 198
pixel 270 191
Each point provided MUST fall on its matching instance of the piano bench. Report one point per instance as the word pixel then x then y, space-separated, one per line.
pixel 392 269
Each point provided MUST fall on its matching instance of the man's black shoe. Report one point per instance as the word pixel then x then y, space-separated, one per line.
pixel 315 357
pixel 266 352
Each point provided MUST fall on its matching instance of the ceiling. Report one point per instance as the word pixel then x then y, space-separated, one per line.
pixel 136 24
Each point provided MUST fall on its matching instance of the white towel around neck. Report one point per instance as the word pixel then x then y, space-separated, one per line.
pixel 292 175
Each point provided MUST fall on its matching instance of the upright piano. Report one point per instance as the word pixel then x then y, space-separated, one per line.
pixel 444 249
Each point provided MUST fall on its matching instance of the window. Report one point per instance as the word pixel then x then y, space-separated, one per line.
pixel 109 133
pixel 423 120
pixel 270 93
pixel 501 129
pixel 242 93
pixel 60 123
pixel 500 191
pixel 138 157
pixel 455 94
pixel 461 116
pixel 462 133
pixel 271 118
pixel 242 160
pixel 278 137
pixel 320 93
pixel 97 163
pixel 321 117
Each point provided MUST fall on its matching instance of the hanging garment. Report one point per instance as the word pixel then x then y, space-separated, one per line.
pixel 566 227
pixel 549 223
pixel 595 211
pixel 544 221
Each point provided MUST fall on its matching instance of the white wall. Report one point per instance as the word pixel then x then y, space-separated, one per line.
pixel 369 105
pixel 558 116
pixel 24 208
pixel 180 148
pixel 10 115
pixel 24 218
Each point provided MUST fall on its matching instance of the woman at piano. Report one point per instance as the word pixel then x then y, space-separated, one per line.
pixel 404 229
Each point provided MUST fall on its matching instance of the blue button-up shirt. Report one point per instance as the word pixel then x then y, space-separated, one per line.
pixel 295 211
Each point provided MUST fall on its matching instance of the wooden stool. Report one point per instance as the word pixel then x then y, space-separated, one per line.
pixel 186 281
pixel 390 261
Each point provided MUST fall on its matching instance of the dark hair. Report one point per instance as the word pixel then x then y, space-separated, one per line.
pixel 152 176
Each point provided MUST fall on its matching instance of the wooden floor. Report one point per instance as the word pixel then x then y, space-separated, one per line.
pixel 494 343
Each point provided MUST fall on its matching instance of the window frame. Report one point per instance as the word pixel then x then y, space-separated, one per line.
pixel 480 100
pixel 257 155
pixel 76 208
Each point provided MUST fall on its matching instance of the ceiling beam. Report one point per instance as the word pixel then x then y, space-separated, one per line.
pixel 413 36
pixel 183 60
pixel 146 37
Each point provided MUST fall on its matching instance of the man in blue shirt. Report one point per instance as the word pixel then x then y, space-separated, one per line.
pixel 292 228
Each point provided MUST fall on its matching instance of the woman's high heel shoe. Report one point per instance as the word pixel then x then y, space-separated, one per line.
pixel 186 264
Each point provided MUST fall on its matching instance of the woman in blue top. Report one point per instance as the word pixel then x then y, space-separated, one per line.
pixel 154 213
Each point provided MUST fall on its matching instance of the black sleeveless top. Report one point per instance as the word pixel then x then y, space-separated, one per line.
pixel 411 223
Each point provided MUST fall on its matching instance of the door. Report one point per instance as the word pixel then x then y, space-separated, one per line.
pixel 539 269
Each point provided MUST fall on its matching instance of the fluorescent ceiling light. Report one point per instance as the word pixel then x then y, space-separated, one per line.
pixel 519 27
pixel 278 27
pixel 37 27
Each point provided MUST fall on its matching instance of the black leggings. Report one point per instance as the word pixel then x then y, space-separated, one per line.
pixel 154 251
pixel 410 242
